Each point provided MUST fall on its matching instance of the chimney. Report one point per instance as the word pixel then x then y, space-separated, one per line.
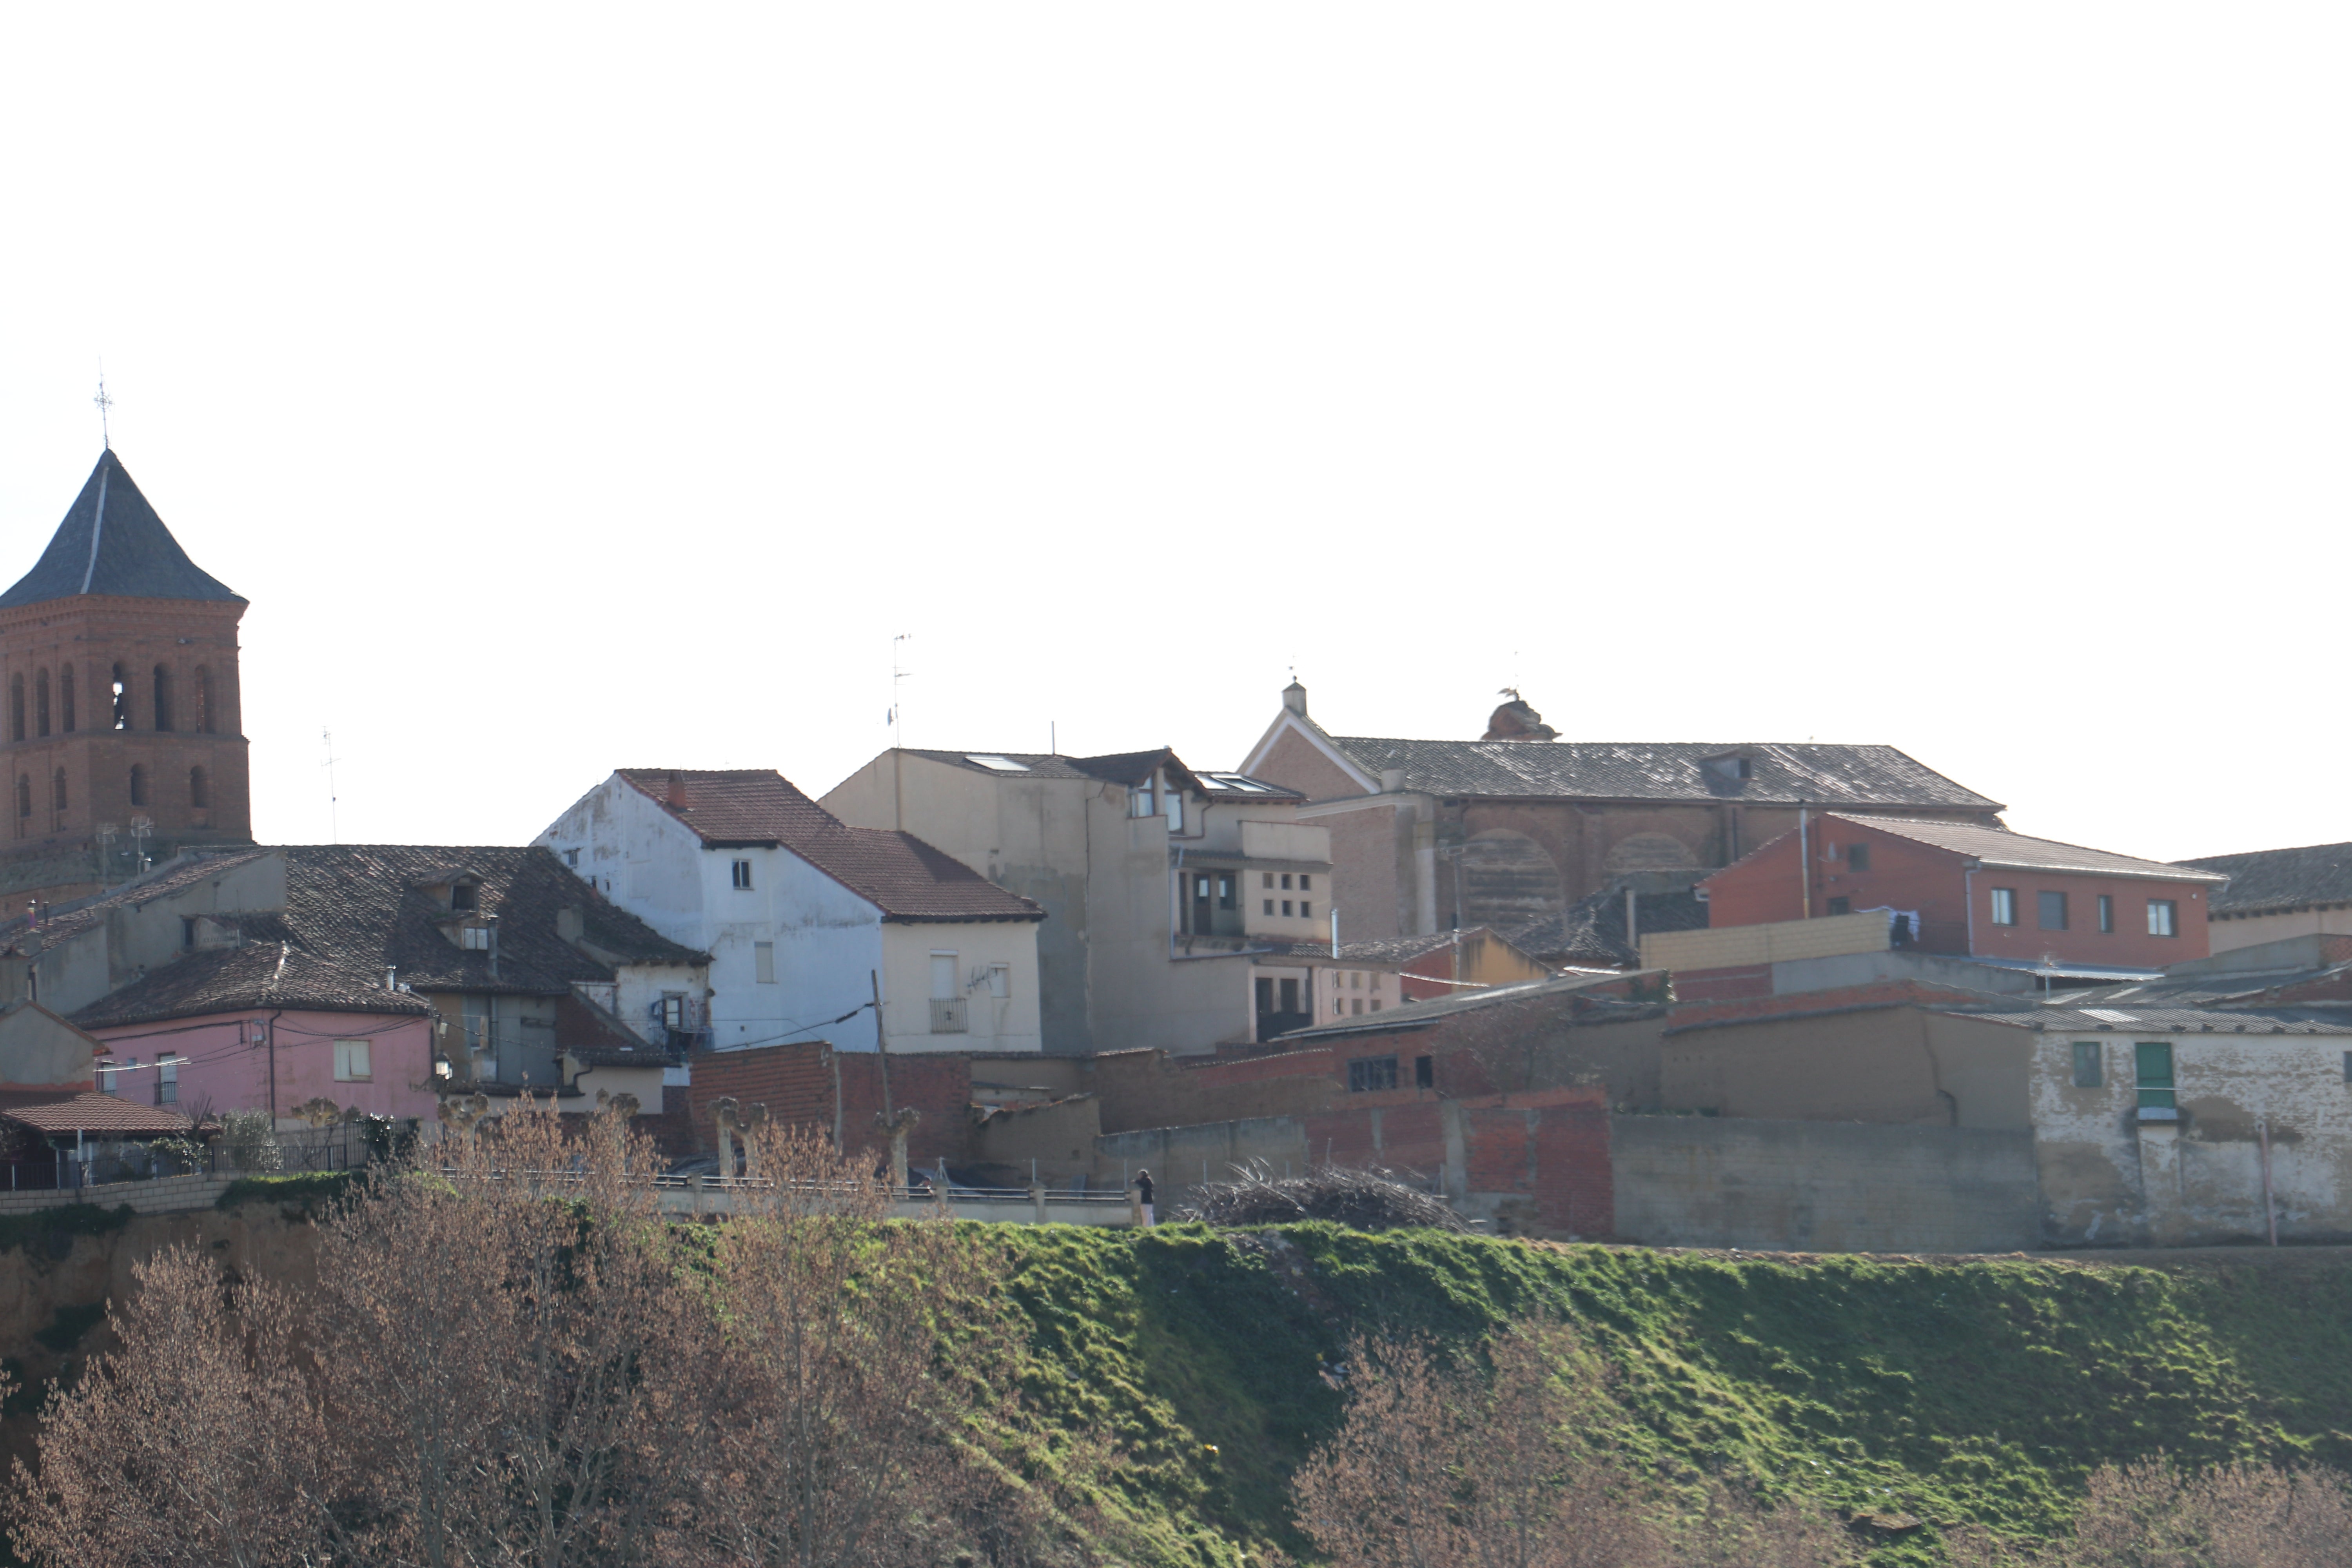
pixel 1293 697
pixel 1392 781
pixel 570 924
pixel 677 795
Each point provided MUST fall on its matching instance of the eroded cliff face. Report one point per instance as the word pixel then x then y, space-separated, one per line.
pixel 57 1281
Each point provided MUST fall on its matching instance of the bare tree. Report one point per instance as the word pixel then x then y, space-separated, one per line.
pixel 198 1442
pixel 1438 1465
pixel 2155 1515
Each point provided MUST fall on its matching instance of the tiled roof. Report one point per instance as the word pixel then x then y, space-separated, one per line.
pixel 1809 774
pixel 1999 847
pixel 236 979
pixel 899 874
pixel 1120 768
pixel 2277 880
pixel 1409 1016
pixel 88 1112
pixel 352 910
pixel 1592 929
pixel 2128 1020
pixel 120 547
pixel 185 870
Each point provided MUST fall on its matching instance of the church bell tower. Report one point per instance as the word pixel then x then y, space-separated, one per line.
pixel 121 735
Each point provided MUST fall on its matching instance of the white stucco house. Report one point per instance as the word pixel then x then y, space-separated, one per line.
pixel 801 913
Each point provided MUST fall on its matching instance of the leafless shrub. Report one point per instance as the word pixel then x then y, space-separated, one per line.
pixel 1367 1200
pixel 2155 1515
pixel 1436 1465
pixel 1733 1531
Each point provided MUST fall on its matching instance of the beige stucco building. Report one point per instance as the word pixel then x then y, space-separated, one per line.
pixel 1183 909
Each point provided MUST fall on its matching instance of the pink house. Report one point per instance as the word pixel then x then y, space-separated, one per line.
pixel 266 1024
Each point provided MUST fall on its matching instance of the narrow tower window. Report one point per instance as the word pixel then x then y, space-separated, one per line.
pixel 122 698
pixel 16 707
pixel 163 698
pixel 138 784
pixel 205 716
pixel 41 703
pixel 24 801
pixel 66 697
pixel 200 793
pixel 58 792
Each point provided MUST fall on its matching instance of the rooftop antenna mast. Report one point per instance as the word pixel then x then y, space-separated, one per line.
pixel 105 437
pixel 898 674
pixel 334 825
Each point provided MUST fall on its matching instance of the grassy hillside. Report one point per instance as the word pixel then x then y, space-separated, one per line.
pixel 1971 1390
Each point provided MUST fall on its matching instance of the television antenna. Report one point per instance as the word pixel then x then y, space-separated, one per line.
pixel 898 673
pixel 334 828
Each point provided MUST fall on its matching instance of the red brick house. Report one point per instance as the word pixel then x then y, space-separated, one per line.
pixel 1982 892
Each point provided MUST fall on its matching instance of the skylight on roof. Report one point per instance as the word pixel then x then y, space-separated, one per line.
pixel 1235 781
pixel 2109 1015
pixel 998 764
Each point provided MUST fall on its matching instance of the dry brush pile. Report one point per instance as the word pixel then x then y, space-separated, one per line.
pixel 1361 1200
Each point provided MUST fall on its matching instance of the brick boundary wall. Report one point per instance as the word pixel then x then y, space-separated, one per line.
pixel 1536 1164
pixel 796 1083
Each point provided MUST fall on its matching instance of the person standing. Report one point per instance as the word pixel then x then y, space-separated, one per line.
pixel 1143 1194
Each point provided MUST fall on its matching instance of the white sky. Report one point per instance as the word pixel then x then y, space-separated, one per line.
pixel 570 389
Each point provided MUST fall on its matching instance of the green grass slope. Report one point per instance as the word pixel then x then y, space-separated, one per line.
pixel 1948 1390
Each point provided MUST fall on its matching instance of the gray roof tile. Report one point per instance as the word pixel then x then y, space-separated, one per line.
pixel 1809 774
pixel 120 548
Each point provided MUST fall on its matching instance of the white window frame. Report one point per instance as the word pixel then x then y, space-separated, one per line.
pixel 2004 906
pixel 739 876
pixel 999 981
pixel 354 1062
pixel 2164 917
pixel 475 939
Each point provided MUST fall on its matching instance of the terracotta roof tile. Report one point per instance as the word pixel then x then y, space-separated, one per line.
pixel 1809 774
pixel 88 1112
pixel 899 874
pixel 1999 847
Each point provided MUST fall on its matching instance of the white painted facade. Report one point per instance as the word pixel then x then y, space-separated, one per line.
pixel 794 951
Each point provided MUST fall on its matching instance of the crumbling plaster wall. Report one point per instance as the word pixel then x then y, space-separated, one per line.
pixel 2109 1178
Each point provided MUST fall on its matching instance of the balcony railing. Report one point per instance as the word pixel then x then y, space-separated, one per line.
pixel 949 1015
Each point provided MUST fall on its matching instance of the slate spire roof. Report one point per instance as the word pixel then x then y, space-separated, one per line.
pixel 112 542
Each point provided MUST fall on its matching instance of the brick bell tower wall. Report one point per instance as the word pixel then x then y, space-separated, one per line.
pixel 73 759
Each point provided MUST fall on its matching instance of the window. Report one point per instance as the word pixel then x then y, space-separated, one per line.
pixel 1840 906
pixel 58 790
pixel 673 1009
pixel 163 698
pixel 1305 883
pixel 763 962
pixel 999 981
pixel 2004 906
pixel 1359 1002
pixel 351 1061
pixel 996 764
pixel 461 895
pixel 206 716
pixel 167 1081
pixel 1139 801
pixel 1355 980
pixel 1265 995
pixel 1265 878
pixel 1338 1006
pixel 138 784
pixel 1376 1004
pixel 121 685
pixel 200 790
pixel 2163 918
pixel 1857 858
pixel 1175 799
pixel 41 703
pixel 65 699
pixel 16 707
pixel 2087 1064
pixel 475 939
pixel 1227 884
pixel 1269 906
pixel 1307 908
pixel 572 858
pixel 1285 906
pixel 2106 912
pixel 1370 1075
pixel 742 873
pixel 1290 996
pixel 2153 1062
pixel 2050 910
pixel 106 1078
pixel 23 797
pixel 1286 881
pixel 1424 1068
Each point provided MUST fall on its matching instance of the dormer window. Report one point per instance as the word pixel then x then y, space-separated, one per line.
pixel 461 896
pixel 1733 768
pixel 475 939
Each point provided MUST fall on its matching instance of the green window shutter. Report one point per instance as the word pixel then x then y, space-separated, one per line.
pixel 2152 1059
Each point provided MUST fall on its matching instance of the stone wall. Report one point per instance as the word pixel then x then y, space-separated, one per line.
pixel 1826 1186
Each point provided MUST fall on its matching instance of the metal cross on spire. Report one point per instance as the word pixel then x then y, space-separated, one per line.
pixel 103 403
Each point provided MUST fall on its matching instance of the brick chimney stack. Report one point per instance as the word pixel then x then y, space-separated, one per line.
pixel 677 794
